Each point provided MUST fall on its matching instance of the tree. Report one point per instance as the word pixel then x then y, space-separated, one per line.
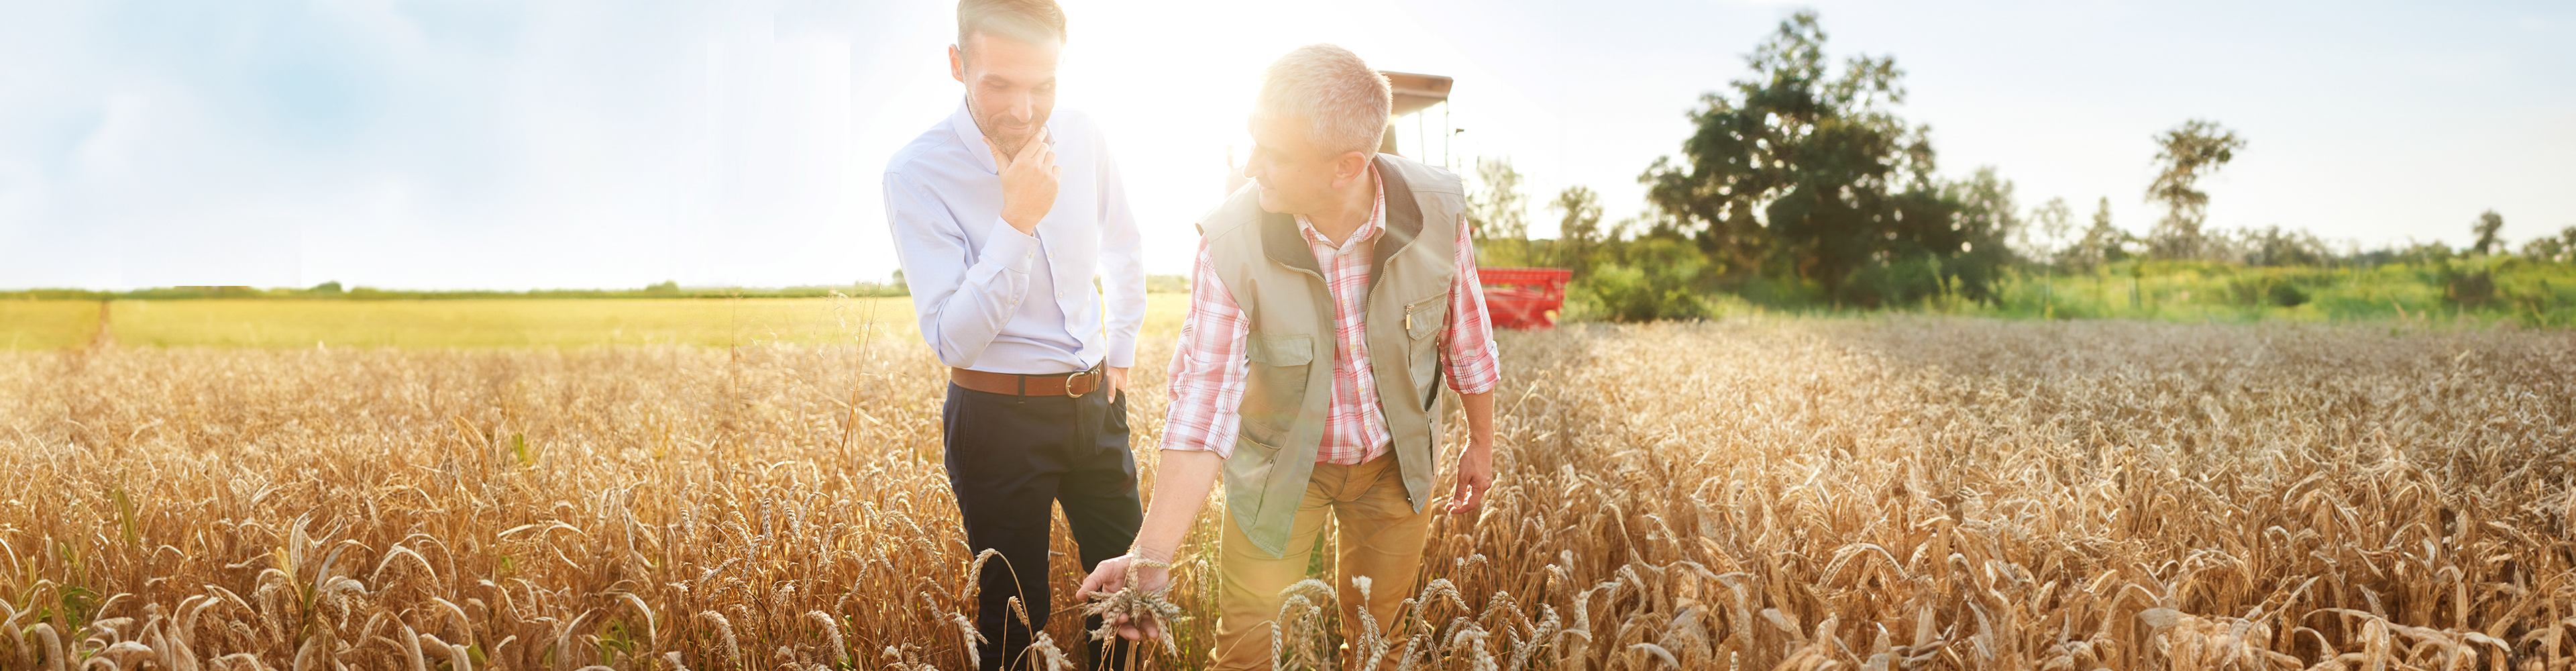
pixel 2103 242
pixel 1580 229
pixel 2546 249
pixel 1496 208
pixel 1986 218
pixel 2552 249
pixel 1804 171
pixel 2274 246
pixel 1582 210
pixel 2488 223
pixel 1986 206
pixel 2185 154
pixel 2050 223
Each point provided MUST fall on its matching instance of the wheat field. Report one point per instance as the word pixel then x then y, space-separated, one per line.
pixel 1898 493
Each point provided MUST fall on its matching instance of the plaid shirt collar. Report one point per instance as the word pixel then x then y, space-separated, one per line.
pixel 1368 232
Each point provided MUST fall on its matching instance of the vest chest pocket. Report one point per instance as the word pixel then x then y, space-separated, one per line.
pixel 1274 388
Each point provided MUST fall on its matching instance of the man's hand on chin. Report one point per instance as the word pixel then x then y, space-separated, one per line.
pixel 1029 182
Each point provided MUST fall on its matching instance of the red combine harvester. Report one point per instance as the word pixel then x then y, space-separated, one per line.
pixel 1524 298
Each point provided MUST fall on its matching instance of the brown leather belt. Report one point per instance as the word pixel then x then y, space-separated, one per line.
pixel 1071 385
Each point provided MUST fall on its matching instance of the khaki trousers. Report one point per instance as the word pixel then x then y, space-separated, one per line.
pixel 1381 537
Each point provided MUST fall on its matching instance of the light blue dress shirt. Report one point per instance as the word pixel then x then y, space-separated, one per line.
pixel 993 299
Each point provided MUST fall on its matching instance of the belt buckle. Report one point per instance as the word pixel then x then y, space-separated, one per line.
pixel 1068 383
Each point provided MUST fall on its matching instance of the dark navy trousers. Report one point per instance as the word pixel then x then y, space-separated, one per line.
pixel 1010 460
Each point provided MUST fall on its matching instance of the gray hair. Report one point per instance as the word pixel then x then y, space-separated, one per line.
pixel 1344 104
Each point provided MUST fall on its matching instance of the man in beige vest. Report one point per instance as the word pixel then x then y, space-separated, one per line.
pixel 1331 300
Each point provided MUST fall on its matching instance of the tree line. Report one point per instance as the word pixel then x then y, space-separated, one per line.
pixel 1801 187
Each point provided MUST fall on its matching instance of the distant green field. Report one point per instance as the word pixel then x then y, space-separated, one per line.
pixel 2499 291
pixel 478 322
pixel 46 324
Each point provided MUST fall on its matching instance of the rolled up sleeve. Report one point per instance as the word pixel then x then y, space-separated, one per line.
pixel 1208 368
pixel 1467 353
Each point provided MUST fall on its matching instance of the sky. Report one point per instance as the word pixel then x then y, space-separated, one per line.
pixel 595 143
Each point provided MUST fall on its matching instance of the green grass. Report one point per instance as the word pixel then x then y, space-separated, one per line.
pixel 2469 292
pixel 2517 292
pixel 27 324
pixel 479 323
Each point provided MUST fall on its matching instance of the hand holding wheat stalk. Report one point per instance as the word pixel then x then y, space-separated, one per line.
pixel 1133 608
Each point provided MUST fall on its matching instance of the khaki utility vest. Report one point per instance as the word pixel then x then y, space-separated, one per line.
pixel 1268 267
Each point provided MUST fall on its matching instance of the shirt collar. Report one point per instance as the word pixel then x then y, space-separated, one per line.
pixel 1369 231
pixel 963 122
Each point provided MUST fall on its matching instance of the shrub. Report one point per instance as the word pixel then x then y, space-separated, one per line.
pixel 2475 287
pixel 1659 280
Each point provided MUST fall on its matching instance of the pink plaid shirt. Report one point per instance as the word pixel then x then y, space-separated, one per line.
pixel 1209 367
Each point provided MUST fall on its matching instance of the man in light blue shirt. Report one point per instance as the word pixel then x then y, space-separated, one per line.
pixel 1002 216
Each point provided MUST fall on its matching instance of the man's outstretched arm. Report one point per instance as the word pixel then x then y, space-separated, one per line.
pixel 1207 378
pixel 1474 368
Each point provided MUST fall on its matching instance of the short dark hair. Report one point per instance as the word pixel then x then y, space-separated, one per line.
pixel 1031 21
